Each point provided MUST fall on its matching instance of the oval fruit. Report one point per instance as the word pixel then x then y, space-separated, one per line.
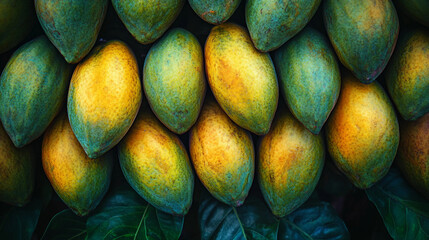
pixel 147 20
pixel 363 34
pixel 71 25
pixel 362 132
pixel 310 78
pixel 33 86
pixel 79 181
pixel 214 11
pixel 173 79
pixel 156 164
pixel 222 154
pixel 242 79
pixel 104 97
pixel 290 162
pixel 407 75
pixel 17 168
pixel 272 23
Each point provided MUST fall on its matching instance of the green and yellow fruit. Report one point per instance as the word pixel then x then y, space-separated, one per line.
pixel 104 97
pixel 214 11
pixel 362 132
pixel 407 75
pixel 173 79
pixel 33 86
pixel 363 34
pixel 307 66
pixel 79 181
pixel 156 165
pixel 242 79
pixel 147 20
pixel 222 154
pixel 290 162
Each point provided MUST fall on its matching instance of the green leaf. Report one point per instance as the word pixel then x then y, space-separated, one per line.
pixel 66 225
pixel 254 220
pixel 404 211
pixel 20 222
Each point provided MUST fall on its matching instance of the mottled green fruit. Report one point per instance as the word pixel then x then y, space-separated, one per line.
pixel 33 86
pixel 16 21
pixel 156 165
pixel 214 11
pixel 363 34
pixel 272 23
pixel 407 75
pixel 173 79
pixel 72 25
pixel 290 160
pixel 417 9
pixel 147 20
pixel 17 171
pixel 309 78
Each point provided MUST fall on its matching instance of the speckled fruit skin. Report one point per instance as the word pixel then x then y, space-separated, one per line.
pixel 17 171
pixel 72 25
pixel 362 132
pixel 309 78
pixel 242 79
pixel 174 81
pixel 222 154
pixel 417 9
pixel 413 153
pixel 147 20
pixel 104 97
pixel 271 23
pixel 33 86
pixel 16 22
pixel 290 162
pixel 363 34
pixel 214 11
pixel 407 75
pixel 156 165
pixel 81 182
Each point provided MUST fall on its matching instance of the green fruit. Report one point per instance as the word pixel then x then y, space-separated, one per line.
pixel 363 34
pixel 271 23
pixel 17 168
pixel 407 75
pixel 72 25
pixel 222 154
pixel 307 66
pixel 33 86
pixel 156 164
pixel 290 162
pixel 417 9
pixel 16 22
pixel 214 11
pixel 147 20
pixel 173 79
pixel 81 182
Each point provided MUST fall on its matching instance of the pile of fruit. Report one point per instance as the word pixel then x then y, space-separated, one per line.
pixel 245 95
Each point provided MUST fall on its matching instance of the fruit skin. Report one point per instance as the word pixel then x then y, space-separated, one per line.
pixel 16 22
pixel 362 132
pixel 242 79
pixel 156 165
pixel 33 86
pixel 309 78
pixel 413 153
pixel 173 79
pixel 17 171
pixel 104 97
pixel 417 9
pixel 72 25
pixel 79 181
pixel 272 23
pixel 222 154
pixel 214 11
pixel 363 34
pixel 290 162
pixel 407 75
pixel 147 20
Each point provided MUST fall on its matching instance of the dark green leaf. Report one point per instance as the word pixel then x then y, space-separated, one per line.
pixel 404 211
pixel 66 225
